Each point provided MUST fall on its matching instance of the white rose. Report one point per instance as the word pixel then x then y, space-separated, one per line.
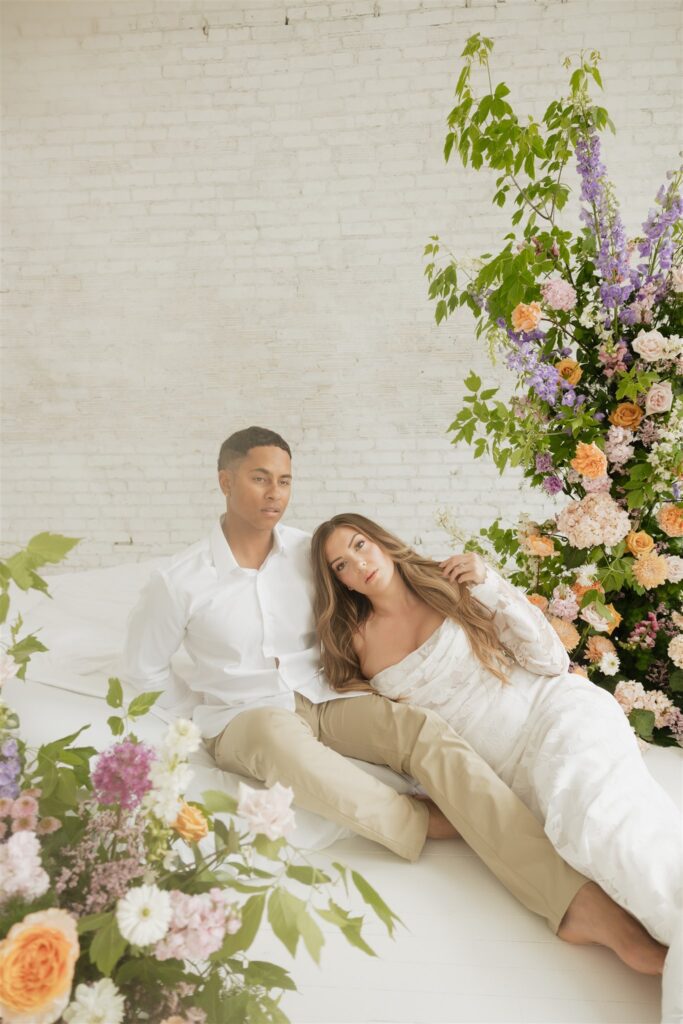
pixel 650 346
pixel 674 569
pixel 594 619
pixel 96 1004
pixel 183 738
pixel 659 398
pixel 677 278
pixel 267 811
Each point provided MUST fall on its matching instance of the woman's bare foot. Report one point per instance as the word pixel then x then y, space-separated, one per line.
pixel 592 917
pixel 439 826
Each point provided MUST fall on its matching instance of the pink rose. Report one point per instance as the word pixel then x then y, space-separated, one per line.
pixel 266 811
pixel 659 398
pixel 674 569
pixel 650 346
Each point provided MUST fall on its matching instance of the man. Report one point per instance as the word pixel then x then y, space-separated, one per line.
pixel 241 603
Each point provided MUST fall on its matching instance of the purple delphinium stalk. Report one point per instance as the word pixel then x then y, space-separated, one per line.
pixel 603 219
pixel 656 247
pixel 121 775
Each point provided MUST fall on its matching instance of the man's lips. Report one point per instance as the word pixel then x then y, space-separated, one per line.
pixel 271 511
pixel 371 576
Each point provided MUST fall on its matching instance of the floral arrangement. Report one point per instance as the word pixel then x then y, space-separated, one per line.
pixel 590 324
pixel 120 900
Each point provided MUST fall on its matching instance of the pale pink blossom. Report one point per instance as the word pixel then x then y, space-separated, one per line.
pixel 593 521
pixel 650 346
pixel 21 870
pixel 8 667
pixel 267 811
pixel 659 398
pixel 599 485
pixel 590 615
pixel 564 604
pixel 674 568
pixel 618 445
pixel 558 294
pixel 24 806
pixel 675 650
pixel 677 278
pixel 632 695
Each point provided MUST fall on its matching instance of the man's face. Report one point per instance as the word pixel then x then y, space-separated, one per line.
pixel 258 488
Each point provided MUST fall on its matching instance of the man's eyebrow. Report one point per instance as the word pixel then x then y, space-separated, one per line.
pixel 261 469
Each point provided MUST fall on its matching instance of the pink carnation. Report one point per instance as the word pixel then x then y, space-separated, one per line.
pixel 558 294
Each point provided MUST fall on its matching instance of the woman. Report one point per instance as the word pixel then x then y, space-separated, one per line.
pixel 459 639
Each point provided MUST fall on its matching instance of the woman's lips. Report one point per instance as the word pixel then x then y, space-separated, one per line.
pixel 371 576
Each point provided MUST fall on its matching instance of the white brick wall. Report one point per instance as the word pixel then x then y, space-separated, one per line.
pixel 214 216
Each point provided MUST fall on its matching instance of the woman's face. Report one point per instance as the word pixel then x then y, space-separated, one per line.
pixel 357 561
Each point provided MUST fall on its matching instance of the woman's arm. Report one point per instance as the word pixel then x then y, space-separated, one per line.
pixel 521 627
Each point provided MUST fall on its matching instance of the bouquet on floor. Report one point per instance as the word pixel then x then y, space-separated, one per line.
pixel 122 901
pixel 590 325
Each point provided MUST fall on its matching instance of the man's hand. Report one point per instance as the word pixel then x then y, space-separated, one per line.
pixel 466 568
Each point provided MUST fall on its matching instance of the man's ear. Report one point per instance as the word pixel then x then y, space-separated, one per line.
pixel 225 481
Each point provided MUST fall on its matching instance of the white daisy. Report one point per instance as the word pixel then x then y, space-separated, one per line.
pixel 144 914
pixel 99 1003
pixel 609 664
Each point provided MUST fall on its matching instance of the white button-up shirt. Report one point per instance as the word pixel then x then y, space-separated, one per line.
pixel 249 633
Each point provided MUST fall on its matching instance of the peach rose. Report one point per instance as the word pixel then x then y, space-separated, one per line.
pixel 589 461
pixel 526 318
pixel 568 634
pixel 627 414
pixel 538 600
pixel 580 589
pixel 37 961
pixel 569 370
pixel 670 519
pixel 651 570
pixel 190 823
pixel 540 546
pixel 614 619
pixel 639 543
pixel 596 646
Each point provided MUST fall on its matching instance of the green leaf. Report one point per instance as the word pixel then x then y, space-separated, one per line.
pixel 217 802
pixel 251 912
pixel 20 568
pixel 269 848
pixel 116 725
pixel 311 934
pixel 307 875
pixel 472 382
pixel 676 681
pixel 643 722
pixel 261 972
pixel 283 913
pixel 67 788
pixel 374 900
pixel 92 921
pixel 115 693
pixel 141 704
pixel 4 607
pixel 50 547
pixel 107 947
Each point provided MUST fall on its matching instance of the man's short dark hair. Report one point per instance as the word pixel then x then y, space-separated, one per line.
pixel 241 442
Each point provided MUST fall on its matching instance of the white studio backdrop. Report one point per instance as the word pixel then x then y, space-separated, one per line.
pixel 214 215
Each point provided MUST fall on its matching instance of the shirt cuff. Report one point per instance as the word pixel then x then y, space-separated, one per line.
pixel 487 592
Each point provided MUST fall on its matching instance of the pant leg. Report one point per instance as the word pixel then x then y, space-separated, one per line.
pixel 486 813
pixel 276 745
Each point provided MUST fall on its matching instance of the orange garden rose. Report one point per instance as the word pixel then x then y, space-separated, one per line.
pixel 639 543
pixel 37 961
pixel 614 619
pixel 569 370
pixel 596 646
pixel 627 414
pixel 670 519
pixel 650 570
pixel 589 461
pixel 190 823
pixel 568 634
pixel 539 600
pixel 526 318
pixel 537 544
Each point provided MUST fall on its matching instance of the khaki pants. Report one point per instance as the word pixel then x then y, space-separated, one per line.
pixel 302 749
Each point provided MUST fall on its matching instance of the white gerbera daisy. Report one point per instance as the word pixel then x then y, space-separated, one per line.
pixel 609 664
pixel 100 1003
pixel 144 914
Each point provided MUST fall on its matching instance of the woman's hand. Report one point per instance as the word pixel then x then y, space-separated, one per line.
pixel 466 568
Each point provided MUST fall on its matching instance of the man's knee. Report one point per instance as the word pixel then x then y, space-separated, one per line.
pixel 258 738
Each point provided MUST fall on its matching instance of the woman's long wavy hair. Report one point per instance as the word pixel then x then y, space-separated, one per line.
pixel 340 612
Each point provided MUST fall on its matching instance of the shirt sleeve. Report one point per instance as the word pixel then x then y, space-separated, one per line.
pixel 155 631
pixel 522 628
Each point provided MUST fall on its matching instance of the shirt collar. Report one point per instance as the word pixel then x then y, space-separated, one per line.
pixel 222 555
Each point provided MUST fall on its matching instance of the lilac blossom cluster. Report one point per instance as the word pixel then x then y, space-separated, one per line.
pixel 199 923
pixel 10 769
pixel 122 774
pixel 602 217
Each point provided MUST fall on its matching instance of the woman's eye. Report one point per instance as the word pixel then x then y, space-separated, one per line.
pixel 339 567
pixel 360 544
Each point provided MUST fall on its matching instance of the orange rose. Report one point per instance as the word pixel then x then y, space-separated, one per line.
pixel 596 646
pixel 538 545
pixel 614 619
pixel 639 543
pixel 568 634
pixel 37 962
pixel 569 370
pixel 589 461
pixel 627 414
pixel 539 600
pixel 580 589
pixel 190 823
pixel 526 318
pixel 651 570
pixel 670 519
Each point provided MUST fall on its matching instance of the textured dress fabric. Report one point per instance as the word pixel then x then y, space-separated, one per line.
pixel 563 745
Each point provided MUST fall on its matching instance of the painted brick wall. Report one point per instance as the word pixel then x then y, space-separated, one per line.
pixel 214 216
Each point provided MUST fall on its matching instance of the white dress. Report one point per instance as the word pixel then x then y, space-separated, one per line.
pixel 563 745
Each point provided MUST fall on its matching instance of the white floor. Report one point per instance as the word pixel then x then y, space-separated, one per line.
pixel 468 952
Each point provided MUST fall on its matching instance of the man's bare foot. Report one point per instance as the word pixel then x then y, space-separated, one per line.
pixel 592 917
pixel 439 826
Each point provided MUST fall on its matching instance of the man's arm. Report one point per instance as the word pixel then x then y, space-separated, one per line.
pixel 156 628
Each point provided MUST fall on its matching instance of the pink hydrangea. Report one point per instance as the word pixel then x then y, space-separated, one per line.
pixel 633 695
pixel 198 925
pixel 558 294
pixel 122 773
pixel 598 485
pixel 593 521
pixel 618 445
